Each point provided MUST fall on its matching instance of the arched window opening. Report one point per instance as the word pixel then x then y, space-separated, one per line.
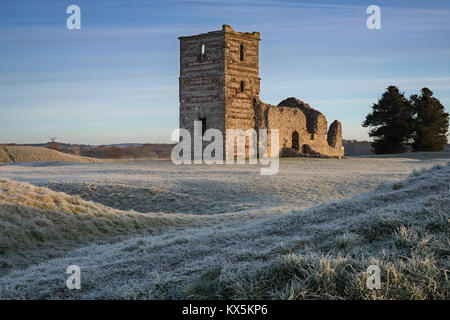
pixel 202 55
pixel 295 142
pixel 242 52
pixel 242 86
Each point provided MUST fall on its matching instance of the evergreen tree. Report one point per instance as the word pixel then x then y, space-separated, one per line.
pixel 431 123
pixel 391 122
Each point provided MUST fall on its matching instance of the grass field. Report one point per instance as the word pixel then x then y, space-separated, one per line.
pixel 13 154
pixel 152 230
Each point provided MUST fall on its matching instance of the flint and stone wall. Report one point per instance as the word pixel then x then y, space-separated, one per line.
pixel 202 81
pixel 242 83
pixel 291 119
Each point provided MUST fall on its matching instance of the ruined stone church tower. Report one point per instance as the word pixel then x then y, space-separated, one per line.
pixel 219 85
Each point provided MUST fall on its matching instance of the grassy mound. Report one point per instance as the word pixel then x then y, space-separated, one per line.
pixel 4 158
pixel 37 154
pixel 403 228
pixel 37 223
pixel 320 253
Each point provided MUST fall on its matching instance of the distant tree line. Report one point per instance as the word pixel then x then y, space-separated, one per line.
pixel 357 148
pixel 398 124
pixel 158 150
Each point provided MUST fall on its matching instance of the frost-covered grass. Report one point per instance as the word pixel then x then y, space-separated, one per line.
pixel 289 253
pixel 160 186
pixel 37 223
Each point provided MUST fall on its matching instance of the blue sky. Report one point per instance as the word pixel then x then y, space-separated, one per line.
pixel 116 79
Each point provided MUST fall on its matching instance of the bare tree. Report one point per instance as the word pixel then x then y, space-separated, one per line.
pixel 53 144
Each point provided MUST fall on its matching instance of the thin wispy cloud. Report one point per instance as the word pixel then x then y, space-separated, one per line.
pixel 121 69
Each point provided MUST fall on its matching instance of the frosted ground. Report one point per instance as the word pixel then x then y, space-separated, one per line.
pixel 160 186
pixel 150 230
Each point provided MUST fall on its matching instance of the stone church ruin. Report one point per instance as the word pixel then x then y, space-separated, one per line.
pixel 219 85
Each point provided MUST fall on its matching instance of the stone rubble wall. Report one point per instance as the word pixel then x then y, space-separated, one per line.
pixel 288 119
pixel 202 81
pixel 239 110
pixel 316 124
pixel 334 136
